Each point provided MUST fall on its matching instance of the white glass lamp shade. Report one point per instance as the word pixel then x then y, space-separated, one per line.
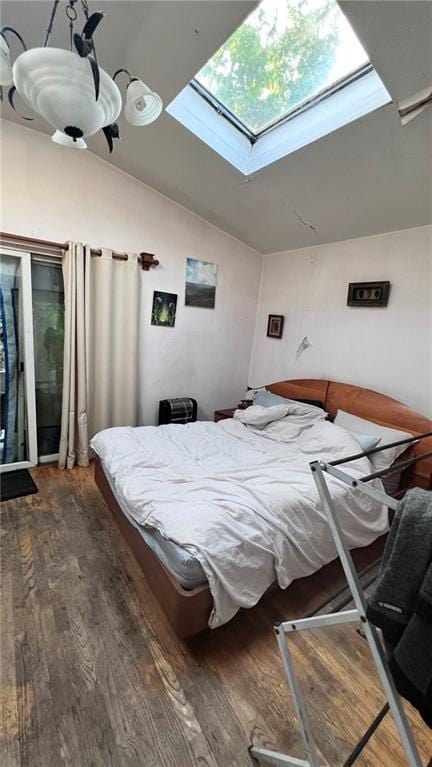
pixel 60 138
pixel 59 86
pixel 142 105
pixel 5 63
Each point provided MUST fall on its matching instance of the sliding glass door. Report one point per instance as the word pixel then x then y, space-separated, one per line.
pixel 48 326
pixel 18 444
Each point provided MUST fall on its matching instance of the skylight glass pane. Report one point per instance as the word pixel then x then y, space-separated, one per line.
pixel 286 52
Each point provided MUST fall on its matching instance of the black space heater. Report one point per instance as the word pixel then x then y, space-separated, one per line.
pixel 178 410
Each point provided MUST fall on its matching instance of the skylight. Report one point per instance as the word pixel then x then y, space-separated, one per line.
pixel 292 73
pixel 284 55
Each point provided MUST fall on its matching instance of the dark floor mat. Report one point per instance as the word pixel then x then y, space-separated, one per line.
pixel 14 484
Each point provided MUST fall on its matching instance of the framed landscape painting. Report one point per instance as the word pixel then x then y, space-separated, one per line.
pixel 200 283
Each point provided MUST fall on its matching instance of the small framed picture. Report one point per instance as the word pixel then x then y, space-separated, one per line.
pixel 164 309
pixel 275 325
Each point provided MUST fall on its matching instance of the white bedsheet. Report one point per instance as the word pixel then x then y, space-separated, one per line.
pixel 242 500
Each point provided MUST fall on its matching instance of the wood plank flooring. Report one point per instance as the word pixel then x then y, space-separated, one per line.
pixel 92 675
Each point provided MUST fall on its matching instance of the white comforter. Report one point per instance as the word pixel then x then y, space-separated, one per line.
pixel 241 498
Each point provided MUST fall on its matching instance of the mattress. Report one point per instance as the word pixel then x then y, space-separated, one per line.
pixel 180 563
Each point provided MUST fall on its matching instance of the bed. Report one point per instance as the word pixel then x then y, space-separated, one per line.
pixel 199 586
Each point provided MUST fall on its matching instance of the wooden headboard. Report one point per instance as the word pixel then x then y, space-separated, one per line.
pixel 370 405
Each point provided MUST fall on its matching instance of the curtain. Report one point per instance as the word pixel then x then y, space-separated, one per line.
pixel 74 427
pixel 100 376
pixel 112 341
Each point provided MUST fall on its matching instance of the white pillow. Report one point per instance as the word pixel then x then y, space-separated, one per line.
pixel 385 458
pixel 366 441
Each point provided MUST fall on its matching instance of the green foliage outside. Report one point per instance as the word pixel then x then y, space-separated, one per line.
pixel 48 323
pixel 274 61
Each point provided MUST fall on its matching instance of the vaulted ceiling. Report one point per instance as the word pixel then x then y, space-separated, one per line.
pixel 368 177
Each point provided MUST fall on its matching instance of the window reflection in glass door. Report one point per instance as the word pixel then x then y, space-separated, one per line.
pixel 17 401
pixel 48 325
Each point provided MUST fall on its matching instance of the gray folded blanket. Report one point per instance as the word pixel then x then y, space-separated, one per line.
pixel 401 604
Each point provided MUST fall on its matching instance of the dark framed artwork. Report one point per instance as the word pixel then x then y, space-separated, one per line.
pixel 164 309
pixel 275 325
pixel 368 293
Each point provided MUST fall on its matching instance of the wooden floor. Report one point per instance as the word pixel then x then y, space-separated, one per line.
pixel 92 676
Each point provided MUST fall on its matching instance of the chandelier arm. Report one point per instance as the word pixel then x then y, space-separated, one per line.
pixel 106 130
pixel 84 42
pixel 111 132
pixel 51 22
pixel 95 73
pixel 126 72
pixel 91 25
pixel 85 8
pixel 72 16
pixel 88 32
pixel 14 32
pixel 97 67
pixel 11 96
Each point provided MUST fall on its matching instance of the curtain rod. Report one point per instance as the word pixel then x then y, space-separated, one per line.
pixel 145 260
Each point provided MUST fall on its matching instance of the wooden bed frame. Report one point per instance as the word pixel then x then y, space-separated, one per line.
pixel 189 611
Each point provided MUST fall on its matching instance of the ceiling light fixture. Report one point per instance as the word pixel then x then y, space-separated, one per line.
pixel 69 89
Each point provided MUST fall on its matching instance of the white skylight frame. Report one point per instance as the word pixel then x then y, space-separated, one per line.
pixel 343 102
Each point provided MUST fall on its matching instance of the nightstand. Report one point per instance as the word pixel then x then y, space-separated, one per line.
pixel 219 415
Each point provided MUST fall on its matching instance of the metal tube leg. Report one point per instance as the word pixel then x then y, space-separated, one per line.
pixel 273 757
pixel 338 537
pixel 396 708
pixel 298 701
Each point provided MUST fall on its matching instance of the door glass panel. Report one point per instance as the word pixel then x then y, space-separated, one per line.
pixel 13 430
pixel 48 328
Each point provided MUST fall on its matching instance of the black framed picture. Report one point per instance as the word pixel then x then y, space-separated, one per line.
pixel 275 325
pixel 368 293
pixel 164 309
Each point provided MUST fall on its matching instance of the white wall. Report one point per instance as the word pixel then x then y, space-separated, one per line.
pixel 54 193
pixel 386 349
pixel 58 194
